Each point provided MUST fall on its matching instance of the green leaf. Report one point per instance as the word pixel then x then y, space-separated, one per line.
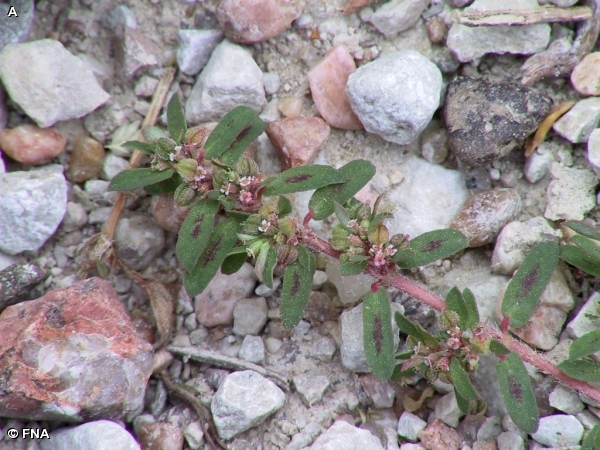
pixel 195 233
pixel 578 258
pixel 284 206
pixel 376 220
pixel 415 330
pixel 528 283
pixel 297 280
pixel 270 263
pixel 233 134
pixel 234 261
pixel 465 406
pixel 466 309
pixel 220 244
pixel 498 349
pixel 139 145
pixel 461 381
pixel 586 345
pixel 122 134
pixel 352 268
pixel 377 333
pixel 176 119
pixel 341 214
pixel 131 179
pixel 581 370
pixel 238 216
pixel 587 245
pixel 430 247
pixel 166 186
pixel 592 440
pixel 582 229
pixel 303 178
pixel 517 393
pixel 357 174
pixel 398 373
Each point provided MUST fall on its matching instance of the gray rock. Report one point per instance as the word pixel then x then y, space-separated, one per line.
pixel 90 436
pixel 103 122
pixel 32 206
pixel 396 16
pixel 253 349
pixel 559 430
pixel 75 218
pixel 195 47
pixel 593 147
pixel 579 122
pixel 381 392
pixel 48 82
pixel 487 119
pixel 434 143
pixel 135 51
pixel 15 27
pixel 119 18
pixel 470 43
pixel 343 436
pixel 587 418
pixel 271 82
pixel 310 387
pixel 229 79
pixel 138 241
pixel 565 400
pixel 145 86
pixel 349 288
pixel 570 194
pixel 244 400
pixel 509 440
pixel 396 95
pixel 305 437
pixel 490 429
pixel 410 425
pixel 273 344
pixel 538 164
pixel 250 316
pixel 352 348
pixel 322 349
pixel 585 321
pixel 446 409
pixel 193 434
pixel 113 165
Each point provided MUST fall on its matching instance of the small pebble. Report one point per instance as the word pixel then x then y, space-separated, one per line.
pixel 249 316
pixel 273 344
pixel 397 16
pixel 75 218
pixel 434 143
pixel 30 144
pixel 169 216
pixel 253 349
pixel 272 83
pixel 113 165
pixel 145 86
pixel 537 165
pixel 586 75
pixel 160 436
pixel 290 107
pixel 87 159
pixel 437 30
pixel 579 122
pixel 195 47
pixel 138 241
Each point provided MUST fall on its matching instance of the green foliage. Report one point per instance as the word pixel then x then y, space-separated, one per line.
pixel 582 229
pixel 303 178
pixel 415 330
pixel 297 280
pixel 579 258
pixel 175 119
pixel 164 187
pixel 131 179
pixel 141 146
pixel 465 394
pixel 195 233
pixel 586 345
pixel 581 369
pixel 377 333
pixel 234 260
pixel 464 305
pixel 517 392
pixel 430 247
pixel 528 283
pixel 592 440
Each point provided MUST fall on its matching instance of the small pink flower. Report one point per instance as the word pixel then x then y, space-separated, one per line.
pixel 390 250
pixel 246 197
pixel 379 260
pixel 246 181
pixel 453 343
pixel 443 364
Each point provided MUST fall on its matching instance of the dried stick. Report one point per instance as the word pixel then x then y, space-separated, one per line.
pixel 522 16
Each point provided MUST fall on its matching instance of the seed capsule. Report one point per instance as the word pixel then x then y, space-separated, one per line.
pixel 449 319
pixel 400 241
pixel 194 136
pixel 287 226
pixel 339 238
pixel 187 168
pixel 164 148
pixel 184 195
pixel 379 235
pixel 246 167
pixel 250 226
pixel 287 254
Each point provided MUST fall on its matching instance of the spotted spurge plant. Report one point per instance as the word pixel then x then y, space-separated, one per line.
pixel 238 213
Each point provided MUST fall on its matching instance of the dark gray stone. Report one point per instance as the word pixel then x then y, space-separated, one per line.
pixel 488 119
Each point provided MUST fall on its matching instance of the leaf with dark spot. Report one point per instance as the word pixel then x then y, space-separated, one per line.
pixel 430 247
pixel 377 333
pixel 195 233
pixel 528 283
pixel 516 390
pixel 297 280
pixel 581 370
pixel 303 178
pixel 222 240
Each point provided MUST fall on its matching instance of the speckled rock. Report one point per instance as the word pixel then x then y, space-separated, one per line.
pixel 570 194
pixel 59 348
pixel 135 51
pixel 485 214
pixel 487 119
pixel 90 436
pixel 30 144
pixel 244 400
pixel 32 205
pixel 585 76
pixel 397 16
pixel 195 47
pixel 579 122
pixel 249 316
pixel 410 425
pixel 160 436
pixel 138 241
pixel 343 436
pixel 396 95
pixel 381 392
pixel 252 21
pixel 298 140
pixel 48 82
pixel 310 387
pixel 559 430
pixel 328 81
pixel 168 215
pixel 438 436
pixel 253 349
pixel 87 159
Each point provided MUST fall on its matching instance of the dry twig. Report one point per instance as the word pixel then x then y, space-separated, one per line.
pixel 555 114
pixel 522 16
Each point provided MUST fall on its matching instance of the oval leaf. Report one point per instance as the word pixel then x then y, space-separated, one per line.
pixel 587 245
pixel 528 283
pixel 377 333
pixel 139 145
pixel 582 229
pixel 415 330
pixel 234 262
pixel 302 178
pixel 586 345
pixel 284 206
pixel 461 381
pixel 592 440
pixel 195 233
pixel 220 244
pixel 464 305
pixel 165 187
pixel 465 406
pixel 581 370
pixel 580 259
pixel 352 268
pixel 357 173
pixel 270 263
pixel 176 119
pixel 517 393
pixel 232 133
pixel 471 307
pixel 131 179
pixel 297 280
pixel 498 349
pixel 430 247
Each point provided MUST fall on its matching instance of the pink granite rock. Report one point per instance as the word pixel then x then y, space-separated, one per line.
pixel 439 436
pixel 30 144
pixel 252 21
pixel 297 141
pixel 72 355
pixel 328 81
pixel 214 306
